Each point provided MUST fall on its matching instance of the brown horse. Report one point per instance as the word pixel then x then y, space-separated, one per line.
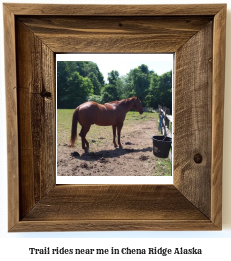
pixel 110 114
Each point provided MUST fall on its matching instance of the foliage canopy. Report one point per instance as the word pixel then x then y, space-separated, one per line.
pixel 80 81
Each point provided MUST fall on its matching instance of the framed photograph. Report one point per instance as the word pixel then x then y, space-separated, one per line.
pixel 105 87
pixel 34 34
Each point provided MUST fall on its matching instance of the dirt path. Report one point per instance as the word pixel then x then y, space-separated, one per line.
pixel 134 159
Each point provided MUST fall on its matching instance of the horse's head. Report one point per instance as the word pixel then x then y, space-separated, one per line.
pixel 138 105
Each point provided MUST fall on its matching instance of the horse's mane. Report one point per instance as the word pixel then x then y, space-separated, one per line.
pixel 115 102
pixel 127 99
pixel 122 101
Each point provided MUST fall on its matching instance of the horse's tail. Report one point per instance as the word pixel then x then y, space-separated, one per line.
pixel 74 126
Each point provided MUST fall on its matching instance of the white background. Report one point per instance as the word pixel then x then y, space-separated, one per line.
pixel 213 244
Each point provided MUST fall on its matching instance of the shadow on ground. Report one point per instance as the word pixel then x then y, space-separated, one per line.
pixel 107 154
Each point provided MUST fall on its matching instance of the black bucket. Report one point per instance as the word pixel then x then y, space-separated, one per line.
pixel 161 146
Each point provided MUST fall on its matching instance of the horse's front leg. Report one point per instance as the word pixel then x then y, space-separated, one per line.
pixel 119 128
pixel 114 135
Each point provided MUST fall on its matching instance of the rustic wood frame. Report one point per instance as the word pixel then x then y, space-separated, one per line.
pixel 196 34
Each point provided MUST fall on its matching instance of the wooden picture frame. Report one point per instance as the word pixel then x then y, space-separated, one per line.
pixel 33 34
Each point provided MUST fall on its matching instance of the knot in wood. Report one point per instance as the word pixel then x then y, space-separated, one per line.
pixel 198 158
pixel 45 94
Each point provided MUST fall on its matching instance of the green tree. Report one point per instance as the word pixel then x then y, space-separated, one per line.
pixel 153 96
pixel 140 81
pixel 76 81
pixel 86 68
pixel 165 86
pixel 127 87
pixel 113 76
pixel 79 88
pixel 95 98
pixel 160 91
pixel 95 82
pixel 110 92
pixel 79 81
pixel 62 75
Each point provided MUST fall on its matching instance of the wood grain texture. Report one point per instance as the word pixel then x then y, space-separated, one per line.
pixel 114 34
pixel 114 225
pixel 114 10
pixel 218 114
pixel 114 207
pixel 193 119
pixel 36 105
pixel 108 202
pixel 11 116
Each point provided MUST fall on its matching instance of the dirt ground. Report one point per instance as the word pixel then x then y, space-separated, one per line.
pixel 134 159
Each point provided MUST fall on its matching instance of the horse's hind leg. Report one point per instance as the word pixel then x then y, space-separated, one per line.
pixel 114 135
pixel 83 134
pixel 87 143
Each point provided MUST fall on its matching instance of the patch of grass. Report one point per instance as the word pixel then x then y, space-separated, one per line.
pixel 64 118
pixel 170 127
pixel 156 115
pixel 163 167
pixel 134 115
